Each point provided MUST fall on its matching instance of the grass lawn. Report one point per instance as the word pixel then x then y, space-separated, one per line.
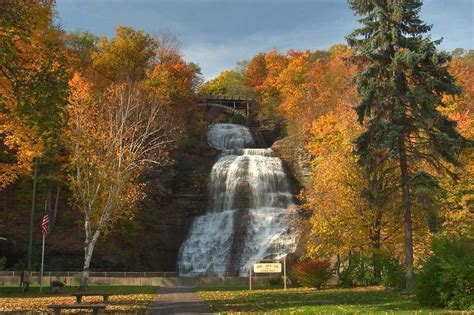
pixel 371 300
pixel 126 299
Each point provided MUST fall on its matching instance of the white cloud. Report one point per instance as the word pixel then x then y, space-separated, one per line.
pixel 215 58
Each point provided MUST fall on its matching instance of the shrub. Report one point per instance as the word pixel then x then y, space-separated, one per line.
pixel 447 277
pixel 392 273
pixel 361 271
pixel 76 279
pixel 275 281
pixel 312 273
pixel 3 262
pixel 346 278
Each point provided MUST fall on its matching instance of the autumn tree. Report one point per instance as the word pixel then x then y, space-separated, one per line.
pixel 347 214
pixel 167 49
pixel 262 75
pixel 400 87
pixel 80 46
pixel 342 193
pixel 33 85
pixel 311 86
pixel 113 138
pixel 126 57
pixel 229 82
pixel 293 83
pixel 456 207
pixel 127 108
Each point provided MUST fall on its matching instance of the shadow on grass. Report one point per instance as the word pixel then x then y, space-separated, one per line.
pixel 368 300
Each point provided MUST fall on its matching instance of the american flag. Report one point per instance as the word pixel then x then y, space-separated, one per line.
pixel 44 224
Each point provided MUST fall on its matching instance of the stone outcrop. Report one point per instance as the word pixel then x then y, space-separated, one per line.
pixel 175 196
pixel 292 152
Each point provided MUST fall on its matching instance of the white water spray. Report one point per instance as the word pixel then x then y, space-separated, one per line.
pixel 249 209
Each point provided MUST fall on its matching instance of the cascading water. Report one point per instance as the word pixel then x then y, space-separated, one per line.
pixel 249 209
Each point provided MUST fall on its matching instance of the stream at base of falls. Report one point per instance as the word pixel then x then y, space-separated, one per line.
pixel 250 209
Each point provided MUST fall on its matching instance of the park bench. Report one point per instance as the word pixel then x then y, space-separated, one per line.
pixel 79 296
pixel 94 307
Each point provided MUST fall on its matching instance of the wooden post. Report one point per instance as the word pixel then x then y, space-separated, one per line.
pixel 284 273
pixel 250 277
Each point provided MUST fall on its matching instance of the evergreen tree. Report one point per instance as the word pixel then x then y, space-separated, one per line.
pixel 401 85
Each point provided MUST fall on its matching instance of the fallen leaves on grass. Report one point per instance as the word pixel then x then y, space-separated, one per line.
pixel 125 302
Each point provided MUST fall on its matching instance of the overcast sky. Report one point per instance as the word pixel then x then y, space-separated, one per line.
pixel 217 34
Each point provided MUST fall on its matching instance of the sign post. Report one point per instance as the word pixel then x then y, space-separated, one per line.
pixel 274 266
pixel 250 276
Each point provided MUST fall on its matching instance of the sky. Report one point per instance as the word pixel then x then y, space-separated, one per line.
pixel 216 34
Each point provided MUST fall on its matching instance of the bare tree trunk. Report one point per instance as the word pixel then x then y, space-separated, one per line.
pixel 56 203
pixel 88 251
pixel 407 220
pixel 375 243
pixel 92 237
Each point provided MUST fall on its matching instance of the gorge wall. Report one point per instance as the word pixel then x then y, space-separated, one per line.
pixel 150 240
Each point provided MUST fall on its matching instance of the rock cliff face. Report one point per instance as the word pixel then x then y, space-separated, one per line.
pixel 175 196
pixel 292 152
pixel 149 241
pixel 297 160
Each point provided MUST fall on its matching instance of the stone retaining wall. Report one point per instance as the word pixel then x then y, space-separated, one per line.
pixel 165 279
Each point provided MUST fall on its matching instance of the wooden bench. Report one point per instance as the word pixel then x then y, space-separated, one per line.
pixel 79 296
pixel 94 307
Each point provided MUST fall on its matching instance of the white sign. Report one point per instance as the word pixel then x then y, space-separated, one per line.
pixel 267 267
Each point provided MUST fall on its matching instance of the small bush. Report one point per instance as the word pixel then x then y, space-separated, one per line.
pixel 346 278
pixel 361 271
pixel 312 274
pixel 275 281
pixel 3 262
pixel 447 277
pixel 57 283
pixel 392 273
pixel 76 279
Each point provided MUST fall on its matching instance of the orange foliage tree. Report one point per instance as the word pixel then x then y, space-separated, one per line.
pixel 33 86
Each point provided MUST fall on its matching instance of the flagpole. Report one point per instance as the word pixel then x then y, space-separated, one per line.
pixel 43 230
pixel 42 264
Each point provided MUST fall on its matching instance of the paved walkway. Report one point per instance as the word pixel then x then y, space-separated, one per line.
pixel 178 300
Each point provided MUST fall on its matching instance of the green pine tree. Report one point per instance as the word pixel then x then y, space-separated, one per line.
pixel 401 85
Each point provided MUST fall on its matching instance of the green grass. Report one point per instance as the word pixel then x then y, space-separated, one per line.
pixel 14 291
pixel 371 300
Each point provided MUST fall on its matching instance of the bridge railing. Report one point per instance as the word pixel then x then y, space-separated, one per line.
pixel 236 104
pixel 229 97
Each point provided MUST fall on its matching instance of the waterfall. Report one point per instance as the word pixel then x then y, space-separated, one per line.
pixel 250 207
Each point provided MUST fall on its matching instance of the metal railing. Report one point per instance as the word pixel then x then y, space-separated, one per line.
pixel 124 274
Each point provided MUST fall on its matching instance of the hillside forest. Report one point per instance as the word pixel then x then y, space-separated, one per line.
pixel 99 132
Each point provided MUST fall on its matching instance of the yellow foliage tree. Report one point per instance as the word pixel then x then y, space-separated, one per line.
pixel 113 137
pixel 33 86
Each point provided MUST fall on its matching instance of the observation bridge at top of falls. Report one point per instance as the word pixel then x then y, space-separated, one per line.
pixel 232 104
